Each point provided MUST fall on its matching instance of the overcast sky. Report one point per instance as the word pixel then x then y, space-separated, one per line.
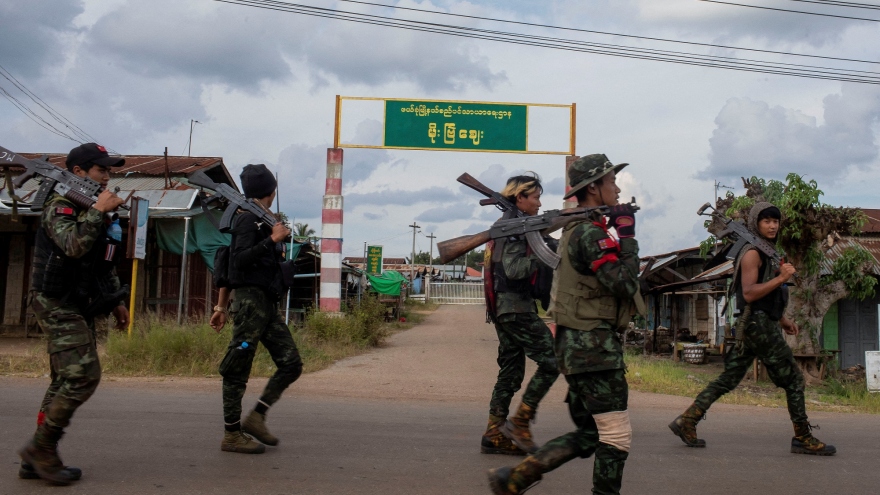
pixel 133 73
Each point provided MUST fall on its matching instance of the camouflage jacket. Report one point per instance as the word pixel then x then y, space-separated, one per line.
pixel 75 230
pixel 517 265
pixel 602 348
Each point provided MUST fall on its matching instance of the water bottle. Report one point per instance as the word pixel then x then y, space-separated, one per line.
pixel 114 231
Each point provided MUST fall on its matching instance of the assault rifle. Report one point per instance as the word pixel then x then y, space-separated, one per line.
pixel 81 191
pixel 531 227
pixel 741 236
pixel 235 201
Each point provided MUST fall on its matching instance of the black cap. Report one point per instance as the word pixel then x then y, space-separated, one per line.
pixel 92 153
pixel 257 181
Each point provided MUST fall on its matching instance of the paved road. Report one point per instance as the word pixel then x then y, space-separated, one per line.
pixel 406 419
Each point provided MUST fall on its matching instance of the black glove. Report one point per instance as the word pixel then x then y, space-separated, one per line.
pixel 623 218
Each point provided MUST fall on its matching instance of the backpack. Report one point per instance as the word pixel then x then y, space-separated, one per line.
pixel 222 271
pixel 542 279
pixel 489 282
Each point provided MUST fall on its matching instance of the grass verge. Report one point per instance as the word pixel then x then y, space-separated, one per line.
pixel 659 374
pixel 160 347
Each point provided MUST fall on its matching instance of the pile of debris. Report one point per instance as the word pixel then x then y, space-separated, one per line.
pixel 853 374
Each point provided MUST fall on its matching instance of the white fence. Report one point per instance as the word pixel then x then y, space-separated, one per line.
pixel 456 293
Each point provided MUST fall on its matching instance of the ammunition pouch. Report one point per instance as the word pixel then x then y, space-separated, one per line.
pixel 288 270
pixel 104 303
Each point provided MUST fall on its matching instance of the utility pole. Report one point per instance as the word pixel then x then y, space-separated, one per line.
pixel 431 269
pixel 189 148
pixel 412 261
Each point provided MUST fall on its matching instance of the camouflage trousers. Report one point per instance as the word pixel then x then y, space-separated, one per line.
pixel 521 335
pixel 763 340
pixel 73 357
pixel 256 320
pixel 590 393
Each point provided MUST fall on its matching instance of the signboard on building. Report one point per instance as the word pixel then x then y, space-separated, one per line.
pixel 137 228
pixel 374 260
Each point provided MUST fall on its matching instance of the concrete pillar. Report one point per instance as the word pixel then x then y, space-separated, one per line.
pixel 331 234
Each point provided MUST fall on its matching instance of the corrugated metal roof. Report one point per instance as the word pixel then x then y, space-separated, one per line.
pixel 870 243
pixel 167 199
pixel 725 268
pixel 143 164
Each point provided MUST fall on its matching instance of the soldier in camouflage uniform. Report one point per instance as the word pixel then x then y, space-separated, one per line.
pixel 520 332
pixel 592 300
pixel 256 251
pixel 73 280
pixel 761 298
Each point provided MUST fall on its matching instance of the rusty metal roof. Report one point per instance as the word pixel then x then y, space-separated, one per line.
pixel 868 242
pixel 143 164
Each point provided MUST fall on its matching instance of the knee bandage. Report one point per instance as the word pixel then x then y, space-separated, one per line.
pixel 614 429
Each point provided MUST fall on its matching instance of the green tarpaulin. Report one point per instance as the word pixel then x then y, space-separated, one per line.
pixel 388 283
pixel 203 238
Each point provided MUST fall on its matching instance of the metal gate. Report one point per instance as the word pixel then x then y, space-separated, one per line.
pixel 456 293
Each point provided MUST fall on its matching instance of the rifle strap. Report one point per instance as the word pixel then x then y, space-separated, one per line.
pixel 10 188
pixel 207 211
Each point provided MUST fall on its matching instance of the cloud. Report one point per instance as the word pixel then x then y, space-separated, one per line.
pixel 398 197
pixel 753 138
pixel 31 38
pixel 161 38
pixel 302 180
pixel 459 211
pixel 359 164
pixel 371 55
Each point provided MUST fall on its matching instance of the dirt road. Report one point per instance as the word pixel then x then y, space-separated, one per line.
pixel 406 419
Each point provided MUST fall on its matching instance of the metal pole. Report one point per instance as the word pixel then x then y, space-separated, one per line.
pixel 430 267
pixel 182 271
pixel 189 147
pixel 412 261
pixel 287 309
pixel 134 278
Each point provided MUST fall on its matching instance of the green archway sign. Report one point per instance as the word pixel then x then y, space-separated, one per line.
pixel 444 125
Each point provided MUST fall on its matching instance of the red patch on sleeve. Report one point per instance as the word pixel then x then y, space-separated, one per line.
pixel 607 243
pixel 60 210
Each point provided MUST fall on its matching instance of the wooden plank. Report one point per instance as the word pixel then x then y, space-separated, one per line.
pixel 15 281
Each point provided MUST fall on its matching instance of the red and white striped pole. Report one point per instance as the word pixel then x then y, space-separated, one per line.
pixel 331 234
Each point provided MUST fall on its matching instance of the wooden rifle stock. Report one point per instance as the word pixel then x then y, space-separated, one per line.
pixel 454 248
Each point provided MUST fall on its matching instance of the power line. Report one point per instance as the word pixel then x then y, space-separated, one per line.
pixel 791 11
pixel 79 135
pixel 34 117
pixel 814 72
pixel 607 33
pixel 836 3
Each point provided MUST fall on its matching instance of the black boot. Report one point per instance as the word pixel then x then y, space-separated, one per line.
pixel 804 442
pixel 516 480
pixel 494 442
pixel 42 455
pixel 26 472
pixel 685 426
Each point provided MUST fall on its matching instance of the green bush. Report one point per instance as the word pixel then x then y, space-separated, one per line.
pixel 361 325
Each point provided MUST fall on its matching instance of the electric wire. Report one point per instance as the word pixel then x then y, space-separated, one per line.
pixel 33 116
pixel 748 65
pixel 61 119
pixel 607 33
pixel 79 135
pixel 791 11
pixel 836 3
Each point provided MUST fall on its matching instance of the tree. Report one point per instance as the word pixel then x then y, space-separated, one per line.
pixel 423 258
pixel 809 230
pixel 302 230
